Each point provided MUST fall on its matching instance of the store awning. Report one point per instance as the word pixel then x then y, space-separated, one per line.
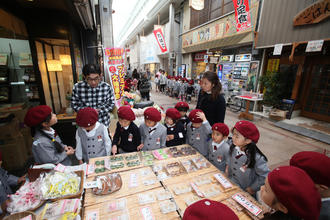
pixel 243 38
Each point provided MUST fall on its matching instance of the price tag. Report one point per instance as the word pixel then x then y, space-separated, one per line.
pixel 90 169
pixel 91 184
pixel 133 180
pixel 60 168
pixel 147 213
pixel 223 181
pixel 199 193
pixel 92 215
pixel 107 164
pixel 255 210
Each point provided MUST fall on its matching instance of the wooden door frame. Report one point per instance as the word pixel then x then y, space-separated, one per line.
pixel 312 61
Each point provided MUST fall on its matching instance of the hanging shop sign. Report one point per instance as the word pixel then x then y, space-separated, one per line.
pixel 199 56
pixel 242 15
pixel 243 57
pixel 277 49
pixel 115 67
pixel 196 4
pixel 313 14
pixel 227 58
pixel 160 40
pixel 214 60
pixel 3 59
pixel 314 45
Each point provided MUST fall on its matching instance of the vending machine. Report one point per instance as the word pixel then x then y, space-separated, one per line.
pixel 241 71
pixel 225 71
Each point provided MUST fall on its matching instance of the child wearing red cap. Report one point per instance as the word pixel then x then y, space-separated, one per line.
pixel 183 108
pixel 219 149
pixel 207 209
pixel 291 192
pixel 182 90
pixel 92 137
pixel 247 165
pixel 175 130
pixel 199 132
pixel 190 90
pixel 153 133
pixel 47 146
pixel 6 181
pixel 127 136
pixel 317 166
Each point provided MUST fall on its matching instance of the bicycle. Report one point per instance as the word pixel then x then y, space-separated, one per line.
pixel 234 103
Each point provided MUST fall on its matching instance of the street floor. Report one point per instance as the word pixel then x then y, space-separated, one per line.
pixel 277 144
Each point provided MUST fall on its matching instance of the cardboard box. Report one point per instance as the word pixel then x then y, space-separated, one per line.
pixel 9 130
pixel 277 115
pixel 14 153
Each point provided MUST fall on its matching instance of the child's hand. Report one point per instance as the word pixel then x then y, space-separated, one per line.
pixel 169 137
pixel 114 149
pixel 21 180
pixel 201 115
pixel 81 162
pixel 70 151
pixel 249 190
pixel 140 147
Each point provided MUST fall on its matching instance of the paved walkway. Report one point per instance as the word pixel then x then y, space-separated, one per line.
pixel 276 143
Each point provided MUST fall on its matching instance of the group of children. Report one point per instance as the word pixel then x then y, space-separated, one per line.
pixel 290 190
pixel 178 87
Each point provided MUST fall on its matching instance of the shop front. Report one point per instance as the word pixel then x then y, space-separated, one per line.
pixel 303 53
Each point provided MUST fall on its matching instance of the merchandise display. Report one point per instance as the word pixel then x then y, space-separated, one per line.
pixel 58 185
pixel 107 184
pixel 175 169
pixel 200 162
pixel 117 205
pixel 191 199
pixel 175 152
pixel 181 189
pixel 163 195
pixel 167 207
pixel 132 157
pixel 147 158
pixel 133 163
pixel 188 150
pixel 160 154
pixel 211 192
pixel 62 209
pixel 146 198
pixel 202 181
pixel 28 197
pixel 116 158
pixel 117 165
pixel 188 165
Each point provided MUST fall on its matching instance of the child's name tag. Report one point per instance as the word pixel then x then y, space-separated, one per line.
pixel 255 210
pixel 158 141
pixel 130 137
pixel 223 180
pixel 198 137
pixel 99 138
pixel 199 193
pixel 180 135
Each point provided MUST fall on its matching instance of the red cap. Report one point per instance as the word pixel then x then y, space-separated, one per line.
pixel 191 82
pixel 315 164
pixel 193 116
pixel 87 117
pixel 248 130
pixel 222 128
pixel 296 191
pixel 125 112
pixel 173 113
pixel 36 115
pixel 210 210
pixel 152 114
pixel 181 105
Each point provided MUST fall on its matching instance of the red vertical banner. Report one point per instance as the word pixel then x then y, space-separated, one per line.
pixel 115 67
pixel 242 14
pixel 160 39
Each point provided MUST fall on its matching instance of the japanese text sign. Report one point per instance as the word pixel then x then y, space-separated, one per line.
pixel 160 40
pixel 242 14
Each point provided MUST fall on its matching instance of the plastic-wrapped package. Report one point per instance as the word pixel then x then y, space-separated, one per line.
pixel 167 207
pixel 181 189
pixel 26 198
pixel 67 208
pixel 211 192
pixel 108 184
pixel 191 199
pixel 147 158
pixel 202 181
pixel 117 205
pixel 163 195
pixel 145 198
pixel 124 216
pixel 56 185
pixel 188 151
pixel 188 165
pixel 175 169
pixel 200 162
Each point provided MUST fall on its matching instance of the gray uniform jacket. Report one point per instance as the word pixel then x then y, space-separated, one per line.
pixel 154 140
pixel 5 182
pixel 247 177
pixel 44 151
pixel 182 89
pixel 200 138
pixel 325 209
pixel 219 155
pixel 95 145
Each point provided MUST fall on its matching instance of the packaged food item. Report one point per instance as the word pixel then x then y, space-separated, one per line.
pixel 175 169
pixel 107 184
pixel 188 165
pixel 233 205
pixel 124 216
pixel 211 192
pixel 99 162
pixel 181 189
pixel 175 152
pixel 56 210
pixel 145 198
pixel 117 165
pixel 145 172
pixel 157 168
pixel 191 199
pixel 223 180
pixel 117 205
pixel 162 176
pixel 116 158
pixel 167 206
pixel 202 181
pixel 200 162
pixel 133 163
pixel 188 151
pixel 132 157
pixel 147 213
pixel 149 182
pixel 147 158
pixel 160 154
pixel 56 184
pixel 28 197
pixel 162 195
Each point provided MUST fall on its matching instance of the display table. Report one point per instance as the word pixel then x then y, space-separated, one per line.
pixel 180 178
pixel 246 114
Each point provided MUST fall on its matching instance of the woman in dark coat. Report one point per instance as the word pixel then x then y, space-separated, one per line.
pixel 210 100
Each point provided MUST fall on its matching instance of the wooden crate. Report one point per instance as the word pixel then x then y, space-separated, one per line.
pixel 133 208
pixel 126 190
pixel 125 168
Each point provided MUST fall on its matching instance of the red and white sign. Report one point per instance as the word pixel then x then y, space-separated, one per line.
pixel 242 15
pixel 247 204
pixel 160 40
pixel 199 56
